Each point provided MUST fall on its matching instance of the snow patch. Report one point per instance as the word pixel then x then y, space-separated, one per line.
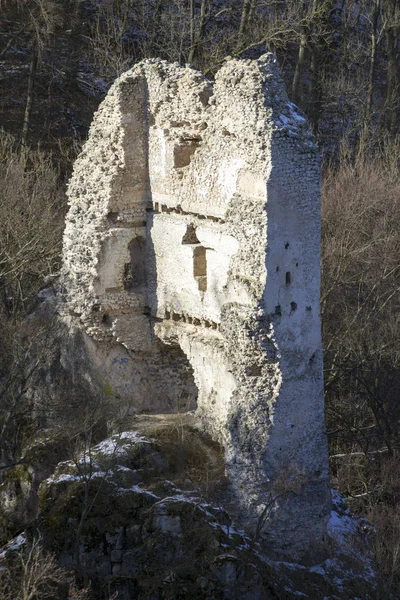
pixel 99 474
pixel 13 546
pixel 117 445
pixel 65 477
pixel 138 490
pixel 134 436
pixel 294 114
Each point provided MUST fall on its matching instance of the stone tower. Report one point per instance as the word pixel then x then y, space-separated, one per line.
pixel 191 257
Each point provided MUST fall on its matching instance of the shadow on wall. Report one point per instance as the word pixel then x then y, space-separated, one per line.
pixel 168 371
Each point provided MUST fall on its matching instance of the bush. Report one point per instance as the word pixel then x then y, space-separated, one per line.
pixel 361 333
pixel 32 211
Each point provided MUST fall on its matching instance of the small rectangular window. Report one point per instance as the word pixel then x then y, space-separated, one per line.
pixel 200 267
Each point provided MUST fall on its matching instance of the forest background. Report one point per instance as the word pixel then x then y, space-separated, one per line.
pixel 341 64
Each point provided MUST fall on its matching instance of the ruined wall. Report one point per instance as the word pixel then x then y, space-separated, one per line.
pixel 192 242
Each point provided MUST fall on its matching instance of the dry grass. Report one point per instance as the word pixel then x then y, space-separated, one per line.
pixel 32 212
pixel 361 332
pixel 193 460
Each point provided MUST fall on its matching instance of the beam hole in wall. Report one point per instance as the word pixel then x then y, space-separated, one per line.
pixel 134 271
pixel 253 371
pixel 288 278
pixel 106 320
pixel 184 151
pixel 180 123
pixel 293 306
pixel 112 217
pixel 286 245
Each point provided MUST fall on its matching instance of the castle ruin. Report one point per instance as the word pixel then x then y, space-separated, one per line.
pixel 191 259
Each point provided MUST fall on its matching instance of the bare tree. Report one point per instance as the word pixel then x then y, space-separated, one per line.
pixel 360 303
pixel 33 575
pixel 391 25
pixel 31 223
pixel 35 21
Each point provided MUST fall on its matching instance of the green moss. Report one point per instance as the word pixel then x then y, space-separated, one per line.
pixel 19 474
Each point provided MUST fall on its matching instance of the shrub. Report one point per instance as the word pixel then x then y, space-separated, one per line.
pixel 32 210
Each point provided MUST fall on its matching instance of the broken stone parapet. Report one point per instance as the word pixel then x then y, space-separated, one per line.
pixel 191 260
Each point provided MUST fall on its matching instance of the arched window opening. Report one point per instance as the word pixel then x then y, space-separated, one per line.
pixel 135 272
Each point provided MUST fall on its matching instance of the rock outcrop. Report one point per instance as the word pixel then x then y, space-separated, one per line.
pixel 144 530
pixel 191 260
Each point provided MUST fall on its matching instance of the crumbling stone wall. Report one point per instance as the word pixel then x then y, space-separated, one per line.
pixel 191 257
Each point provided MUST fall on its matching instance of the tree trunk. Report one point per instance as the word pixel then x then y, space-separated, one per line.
pixel 74 44
pixel 371 76
pixel 393 71
pixel 199 34
pixel 301 59
pixel 29 98
pixel 243 22
pixel 156 23
pixel 192 23
pixel 315 88
pixel 252 12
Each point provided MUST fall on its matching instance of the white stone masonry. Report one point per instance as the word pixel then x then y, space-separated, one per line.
pixel 191 258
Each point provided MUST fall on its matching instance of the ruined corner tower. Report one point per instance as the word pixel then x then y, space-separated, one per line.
pixel 191 260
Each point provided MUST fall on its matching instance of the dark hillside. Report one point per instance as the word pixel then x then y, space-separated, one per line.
pixel 341 63
pixel 340 59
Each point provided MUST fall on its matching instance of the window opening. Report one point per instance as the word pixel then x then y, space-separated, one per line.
pixel 134 271
pixel 184 151
pixel 199 257
pixel 200 267
pixel 190 236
